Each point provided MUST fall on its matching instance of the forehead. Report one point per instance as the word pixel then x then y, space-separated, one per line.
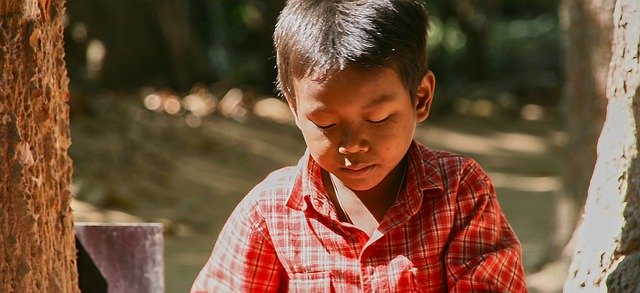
pixel 350 82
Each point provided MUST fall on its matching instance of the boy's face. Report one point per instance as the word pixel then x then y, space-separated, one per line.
pixel 359 124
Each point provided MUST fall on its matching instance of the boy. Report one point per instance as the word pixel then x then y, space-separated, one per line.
pixel 366 208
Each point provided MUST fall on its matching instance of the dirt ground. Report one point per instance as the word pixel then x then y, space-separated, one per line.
pixel 136 165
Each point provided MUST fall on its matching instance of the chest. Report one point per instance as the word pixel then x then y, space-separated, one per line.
pixel 321 253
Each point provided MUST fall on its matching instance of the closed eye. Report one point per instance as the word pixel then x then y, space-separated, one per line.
pixel 324 127
pixel 379 121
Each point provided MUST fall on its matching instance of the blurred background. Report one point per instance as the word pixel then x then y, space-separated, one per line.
pixel 174 116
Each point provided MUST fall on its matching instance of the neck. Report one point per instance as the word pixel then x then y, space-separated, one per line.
pixel 389 186
pixel 377 200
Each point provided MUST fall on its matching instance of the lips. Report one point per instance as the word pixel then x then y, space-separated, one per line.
pixel 357 170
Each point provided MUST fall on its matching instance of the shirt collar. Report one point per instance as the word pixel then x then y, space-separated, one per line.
pixel 423 174
pixel 424 169
pixel 423 179
pixel 308 188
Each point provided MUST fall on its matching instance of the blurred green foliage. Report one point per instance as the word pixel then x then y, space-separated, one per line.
pixel 514 45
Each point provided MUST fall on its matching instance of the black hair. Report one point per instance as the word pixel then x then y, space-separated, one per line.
pixel 317 38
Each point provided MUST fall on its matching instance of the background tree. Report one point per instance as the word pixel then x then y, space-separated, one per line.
pixel 608 241
pixel 588 33
pixel 37 250
pixel 475 19
pixel 123 44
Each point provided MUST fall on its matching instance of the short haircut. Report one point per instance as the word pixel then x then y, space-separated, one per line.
pixel 318 38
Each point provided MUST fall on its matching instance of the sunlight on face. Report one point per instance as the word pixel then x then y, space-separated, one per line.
pixel 358 124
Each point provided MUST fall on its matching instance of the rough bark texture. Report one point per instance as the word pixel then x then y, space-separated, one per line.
pixel 37 249
pixel 588 32
pixel 608 242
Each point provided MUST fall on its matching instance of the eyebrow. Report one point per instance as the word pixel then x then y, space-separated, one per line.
pixel 383 99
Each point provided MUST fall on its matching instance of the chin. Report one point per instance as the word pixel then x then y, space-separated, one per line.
pixel 361 184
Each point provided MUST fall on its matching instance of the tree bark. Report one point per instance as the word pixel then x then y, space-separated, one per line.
pixel 607 251
pixel 37 249
pixel 588 32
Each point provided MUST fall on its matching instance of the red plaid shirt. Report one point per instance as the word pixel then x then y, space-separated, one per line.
pixel 445 233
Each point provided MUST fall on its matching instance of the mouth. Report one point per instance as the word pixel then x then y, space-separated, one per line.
pixel 357 170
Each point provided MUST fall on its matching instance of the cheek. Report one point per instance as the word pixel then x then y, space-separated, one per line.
pixel 321 150
pixel 318 142
pixel 395 133
pixel 395 139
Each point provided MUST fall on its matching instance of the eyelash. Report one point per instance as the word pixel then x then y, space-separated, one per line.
pixel 324 128
pixel 380 121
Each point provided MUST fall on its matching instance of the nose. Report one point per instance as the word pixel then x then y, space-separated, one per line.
pixel 353 141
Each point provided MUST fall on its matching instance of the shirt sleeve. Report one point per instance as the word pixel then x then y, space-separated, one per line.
pixel 243 258
pixel 484 254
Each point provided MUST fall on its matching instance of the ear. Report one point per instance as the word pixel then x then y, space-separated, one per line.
pixel 424 96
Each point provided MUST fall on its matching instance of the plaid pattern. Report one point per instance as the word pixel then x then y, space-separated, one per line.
pixel 445 233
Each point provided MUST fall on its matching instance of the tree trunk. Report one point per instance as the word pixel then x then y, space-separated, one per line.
pixel 588 31
pixel 188 54
pixel 608 241
pixel 37 250
pixel 475 19
pixel 145 42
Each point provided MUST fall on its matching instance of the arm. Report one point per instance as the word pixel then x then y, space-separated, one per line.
pixel 243 259
pixel 484 254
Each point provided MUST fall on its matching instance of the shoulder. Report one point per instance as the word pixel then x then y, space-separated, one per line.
pixel 276 186
pixel 271 193
pixel 466 188
pixel 451 166
pixel 277 180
